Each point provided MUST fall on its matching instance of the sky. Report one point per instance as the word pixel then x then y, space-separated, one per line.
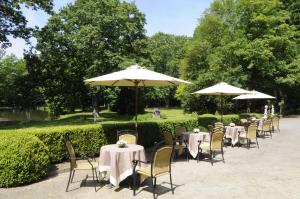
pixel 178 17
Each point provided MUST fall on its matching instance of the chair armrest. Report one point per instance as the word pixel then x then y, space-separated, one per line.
pixel 137 161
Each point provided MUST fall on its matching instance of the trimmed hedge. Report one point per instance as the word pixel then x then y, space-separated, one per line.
pixel 206 119
pixel 28 151
pixel 23 159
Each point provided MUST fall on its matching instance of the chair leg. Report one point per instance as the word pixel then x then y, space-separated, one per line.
pixel 271 134
pixel 187 154
pixel 69 180
pixel 93 170
pixel 97 178
pixel 152 184
pixel 211 158
pixel 248 143
pixel 72 176
pixel 171 183
pixel 134 183
pixel 222 154
pixel 257 143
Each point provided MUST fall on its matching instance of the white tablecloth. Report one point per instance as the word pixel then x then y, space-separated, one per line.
pixel 119 160
pixel 233 133
pixel 192 141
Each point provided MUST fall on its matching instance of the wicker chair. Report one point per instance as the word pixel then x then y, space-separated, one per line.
pixel 219 124
pixel 74 165
pixel 176 143
pixel 210 128
pixel 266 128
pixel 130 136
pixel 179 130
pixel 160 165
pixel 250 135
pixel 275 124
pixel 216 143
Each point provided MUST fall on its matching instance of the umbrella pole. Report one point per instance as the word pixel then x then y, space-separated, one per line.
pixel 222 108
pixel 136 103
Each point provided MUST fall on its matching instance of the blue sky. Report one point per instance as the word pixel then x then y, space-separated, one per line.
pixel 179 17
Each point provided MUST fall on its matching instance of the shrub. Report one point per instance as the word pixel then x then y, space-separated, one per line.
pixel 90 138
pixel 206 119
pixel 86 139
pixel 23 159
pixel 249 115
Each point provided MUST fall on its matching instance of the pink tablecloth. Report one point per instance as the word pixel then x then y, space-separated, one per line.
pixel 192 141
pixel 118 161
pixel 233 133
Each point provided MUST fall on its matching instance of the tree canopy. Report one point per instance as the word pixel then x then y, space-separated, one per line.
pixel 84 40
pixel 251 44
pixel 12 21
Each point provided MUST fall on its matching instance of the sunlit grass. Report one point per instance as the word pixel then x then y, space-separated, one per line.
pixel 105 116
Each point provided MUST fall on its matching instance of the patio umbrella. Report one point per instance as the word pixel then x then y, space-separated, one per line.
pixel 222 89
pixel 253 95
pixel 135 76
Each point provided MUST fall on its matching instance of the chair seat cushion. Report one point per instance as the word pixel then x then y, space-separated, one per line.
pixel 86 165
pixel 144 171
pixel 243 135
pixel 176 147
pixel 205 146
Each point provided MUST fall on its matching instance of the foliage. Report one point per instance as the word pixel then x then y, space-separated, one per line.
pixel 90 138
pixel 12 21
pixel 86 139
pixel 249 44
pixel 23 159
pixel 17 87
pixel 165 52
pixel 206 119
pixel 84 40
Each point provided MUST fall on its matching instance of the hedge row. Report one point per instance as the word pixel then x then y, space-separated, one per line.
pixel 23 159
pixel 32 149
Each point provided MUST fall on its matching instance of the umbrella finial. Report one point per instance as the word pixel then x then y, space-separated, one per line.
pixel 135 66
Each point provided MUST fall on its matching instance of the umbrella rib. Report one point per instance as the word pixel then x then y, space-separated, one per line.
pixel 115 82
pixel 172 83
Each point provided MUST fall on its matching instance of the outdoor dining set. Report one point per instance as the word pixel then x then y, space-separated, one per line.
pixel 126 158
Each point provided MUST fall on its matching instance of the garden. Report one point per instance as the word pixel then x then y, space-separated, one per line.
pixel 63 79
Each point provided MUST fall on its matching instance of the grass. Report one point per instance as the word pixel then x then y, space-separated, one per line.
pixel 83 118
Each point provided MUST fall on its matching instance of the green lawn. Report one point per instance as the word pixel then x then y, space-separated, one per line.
pixel 82 118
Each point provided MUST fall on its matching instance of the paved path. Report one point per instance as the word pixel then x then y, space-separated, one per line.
pixel 272 172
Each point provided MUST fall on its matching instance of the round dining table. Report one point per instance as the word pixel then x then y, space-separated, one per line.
pixel 193 139
pixel 233 132
pixel 118 160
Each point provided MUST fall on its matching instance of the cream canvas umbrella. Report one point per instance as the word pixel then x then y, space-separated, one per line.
pixel 135 76
pixel 254 95
pixel 222 89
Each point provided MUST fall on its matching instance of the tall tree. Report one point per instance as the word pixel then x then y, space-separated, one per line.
pixel 165 54
pixel 84 40
pixel 17 88
pixel 13 22
pixel 248 43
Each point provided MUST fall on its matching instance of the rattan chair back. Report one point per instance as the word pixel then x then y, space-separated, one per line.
pixel 130 136
pixel 219 124
pixel 168 138
pixel 72 154
pixel 275 122
pixel 162 161
pixel 251 133
pixel 179 130
pixel 216 141
pixel 266 125
pixel 210 128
